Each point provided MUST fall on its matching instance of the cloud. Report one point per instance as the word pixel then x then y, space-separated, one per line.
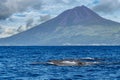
pixel 9 31
pixel 6 32
pixel 9 7
pixel 107 6
pixel 29 22
pixel 21 29
pixel 45 18
pixel 1 29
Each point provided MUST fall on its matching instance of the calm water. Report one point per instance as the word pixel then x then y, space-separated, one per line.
pixel 15 63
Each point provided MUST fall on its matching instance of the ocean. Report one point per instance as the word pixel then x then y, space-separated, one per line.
pixel 15 63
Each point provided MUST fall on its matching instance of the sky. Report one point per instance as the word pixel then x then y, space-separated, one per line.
pixel 19 15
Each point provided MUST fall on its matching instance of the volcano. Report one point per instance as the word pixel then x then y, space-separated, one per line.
pixel 77 26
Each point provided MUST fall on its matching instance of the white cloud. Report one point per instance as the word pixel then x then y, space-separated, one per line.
pixel 6 32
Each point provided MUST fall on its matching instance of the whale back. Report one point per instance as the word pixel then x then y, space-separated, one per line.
pixel 66 62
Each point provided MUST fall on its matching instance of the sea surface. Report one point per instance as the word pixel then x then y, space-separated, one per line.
pixel 15 63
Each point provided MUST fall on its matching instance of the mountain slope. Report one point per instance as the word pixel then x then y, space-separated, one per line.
pixel 79 25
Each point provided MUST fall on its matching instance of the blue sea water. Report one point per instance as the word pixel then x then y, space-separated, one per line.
pixel 15 63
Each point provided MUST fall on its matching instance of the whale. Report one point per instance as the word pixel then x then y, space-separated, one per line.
pixel 87 61
pixel 71 63
pixel 68 62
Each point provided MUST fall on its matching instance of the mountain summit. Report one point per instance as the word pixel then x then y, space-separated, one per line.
pixel 77 15
pixel 79 25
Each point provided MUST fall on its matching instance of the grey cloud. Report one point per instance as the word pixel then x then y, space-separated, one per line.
pixel 21 29
pixel 9 7
pixel 1 29
pixel 107 6
pixel 45 18
pixel 4 11
pixel 29 23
